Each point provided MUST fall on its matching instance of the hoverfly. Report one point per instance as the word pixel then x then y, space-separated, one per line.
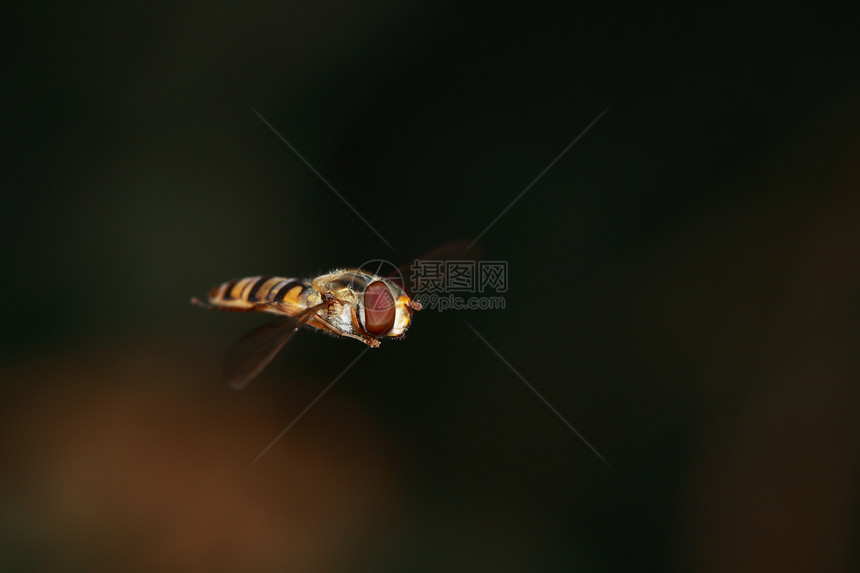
pixel 353 303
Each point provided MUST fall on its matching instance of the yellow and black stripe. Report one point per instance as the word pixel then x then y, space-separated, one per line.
pixel 242 294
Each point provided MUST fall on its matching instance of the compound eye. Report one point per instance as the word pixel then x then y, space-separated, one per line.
pixel 378 309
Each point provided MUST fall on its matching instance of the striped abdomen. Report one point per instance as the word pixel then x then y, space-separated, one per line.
pixel 244 293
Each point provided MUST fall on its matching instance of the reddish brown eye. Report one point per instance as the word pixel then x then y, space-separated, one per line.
pixel 378 309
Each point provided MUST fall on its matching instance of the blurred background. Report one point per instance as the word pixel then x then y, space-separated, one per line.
pixel 683 287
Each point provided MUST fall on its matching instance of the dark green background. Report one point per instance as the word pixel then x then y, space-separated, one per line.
pixel 683 286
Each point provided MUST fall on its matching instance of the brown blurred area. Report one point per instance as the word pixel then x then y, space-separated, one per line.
pixel 683 288
pixel 120 463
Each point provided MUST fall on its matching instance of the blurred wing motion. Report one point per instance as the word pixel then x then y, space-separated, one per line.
pixel 253 352
pixel 453 251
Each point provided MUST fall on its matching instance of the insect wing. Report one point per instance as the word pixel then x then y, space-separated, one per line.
pixel 410 275
pixel 253 352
